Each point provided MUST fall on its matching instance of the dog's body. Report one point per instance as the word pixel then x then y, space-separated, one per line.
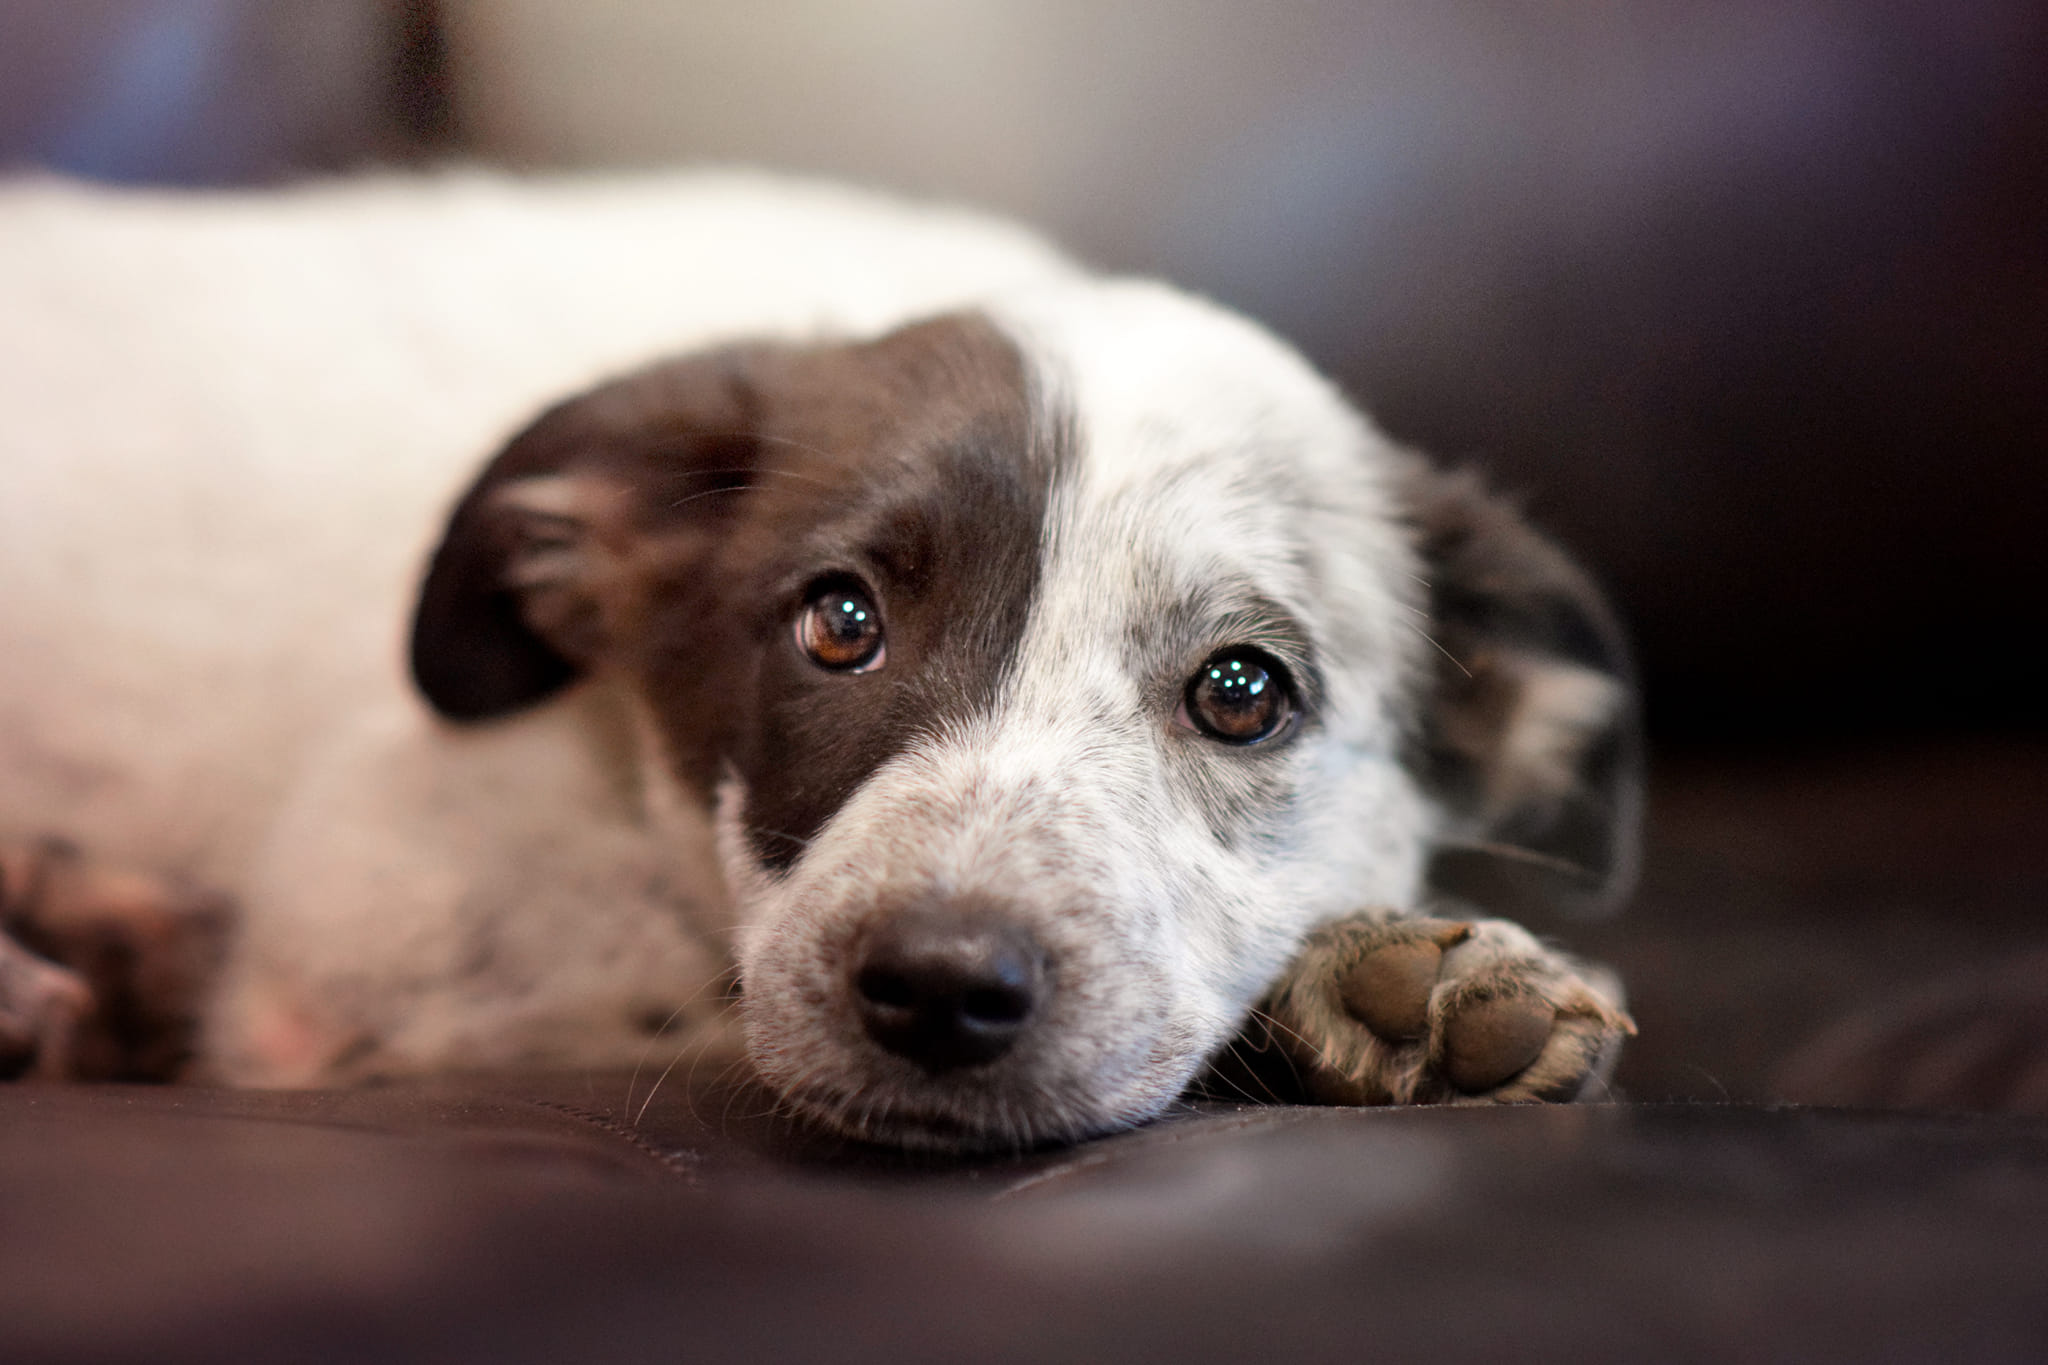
pixel 867 644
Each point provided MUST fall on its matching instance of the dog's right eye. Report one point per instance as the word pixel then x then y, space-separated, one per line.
pixel 1240 696
pixel 840 628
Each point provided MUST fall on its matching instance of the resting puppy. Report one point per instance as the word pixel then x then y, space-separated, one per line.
pixel 1016 673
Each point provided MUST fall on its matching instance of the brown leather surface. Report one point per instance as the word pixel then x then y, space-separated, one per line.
pixel 1784 893
pixel 487 1221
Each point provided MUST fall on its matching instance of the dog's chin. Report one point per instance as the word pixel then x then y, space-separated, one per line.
pixel 976 1112
pixel 977 1127
pixel 939 1130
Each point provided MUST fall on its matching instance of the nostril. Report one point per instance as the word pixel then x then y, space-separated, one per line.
pixel 887 987
pixel 947 988
pixel 996 1005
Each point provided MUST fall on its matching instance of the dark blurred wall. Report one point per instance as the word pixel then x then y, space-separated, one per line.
pixel 1749 300
pixel 1753 303
pixel 210 92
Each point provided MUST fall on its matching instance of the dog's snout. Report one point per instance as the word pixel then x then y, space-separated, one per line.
pixel 948 989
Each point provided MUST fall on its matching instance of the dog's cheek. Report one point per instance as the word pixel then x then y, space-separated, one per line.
pixel 795 1017
pixel 790 949
pixel 1225 855
pixel 1331 824
pixel 755 893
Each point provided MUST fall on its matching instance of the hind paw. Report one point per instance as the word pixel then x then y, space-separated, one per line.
pixel 102 970
pixel 1380 1009
pixel 42 1006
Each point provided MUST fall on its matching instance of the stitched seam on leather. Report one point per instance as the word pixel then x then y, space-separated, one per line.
pixel 680 1163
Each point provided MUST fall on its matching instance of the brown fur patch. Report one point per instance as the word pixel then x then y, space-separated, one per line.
pixel 666 528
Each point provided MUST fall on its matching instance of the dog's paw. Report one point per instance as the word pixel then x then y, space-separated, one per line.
pixel 102 970
pixel 1380 1009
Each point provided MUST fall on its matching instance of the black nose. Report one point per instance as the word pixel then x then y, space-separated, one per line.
pixel 948 988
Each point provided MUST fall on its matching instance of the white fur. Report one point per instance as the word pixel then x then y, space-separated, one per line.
pixel 232 425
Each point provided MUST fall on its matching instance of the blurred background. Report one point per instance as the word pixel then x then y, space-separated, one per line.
pixel 1747 301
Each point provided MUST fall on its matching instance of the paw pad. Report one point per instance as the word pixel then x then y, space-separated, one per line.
pixel 1388 989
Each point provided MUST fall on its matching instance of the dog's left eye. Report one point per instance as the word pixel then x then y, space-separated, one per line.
pixel 1240 696
pixel 840 628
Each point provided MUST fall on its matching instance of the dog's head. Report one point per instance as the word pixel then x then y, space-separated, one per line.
pixel 1051 671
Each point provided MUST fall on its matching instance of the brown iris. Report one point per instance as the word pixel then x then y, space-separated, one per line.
pixel 1240 696
pixel 840 627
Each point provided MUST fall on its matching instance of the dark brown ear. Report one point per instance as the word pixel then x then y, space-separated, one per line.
pixel 1531 742
pixel 532 571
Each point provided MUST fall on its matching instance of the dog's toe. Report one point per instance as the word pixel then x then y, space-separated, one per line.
pixel 41 1008
pixel 1388 988
pixel 1488 1042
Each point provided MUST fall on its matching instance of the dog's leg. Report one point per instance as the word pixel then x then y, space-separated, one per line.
pixel 1385 1009
pixel 102 971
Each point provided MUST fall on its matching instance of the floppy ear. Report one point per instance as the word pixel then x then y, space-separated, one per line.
pixel 536 566
pixel 1531 737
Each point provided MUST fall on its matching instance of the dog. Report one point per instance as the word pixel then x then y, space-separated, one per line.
pixel 1004 684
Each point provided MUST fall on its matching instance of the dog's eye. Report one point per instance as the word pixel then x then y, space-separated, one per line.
pixel 1241 696
pixel 840 627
